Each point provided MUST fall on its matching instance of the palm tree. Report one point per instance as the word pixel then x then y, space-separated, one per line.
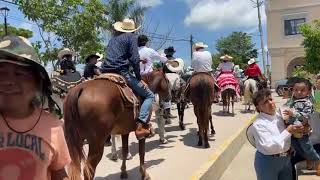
pixel 120 9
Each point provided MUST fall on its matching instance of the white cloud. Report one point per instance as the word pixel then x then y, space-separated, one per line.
pixel 149 3
pixel 222 14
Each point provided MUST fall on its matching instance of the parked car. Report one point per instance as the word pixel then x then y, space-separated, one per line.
pixel 279 85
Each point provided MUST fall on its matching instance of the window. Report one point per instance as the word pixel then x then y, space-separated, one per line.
pixel 291 27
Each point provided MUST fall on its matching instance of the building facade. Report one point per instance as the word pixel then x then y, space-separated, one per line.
pixel 284 39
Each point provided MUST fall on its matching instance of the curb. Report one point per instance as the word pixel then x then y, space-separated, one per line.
pixel 214 168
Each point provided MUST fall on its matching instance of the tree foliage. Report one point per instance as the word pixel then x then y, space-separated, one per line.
pixel 76 24
pixel 239 45
pixel 15 31
pixel 311 43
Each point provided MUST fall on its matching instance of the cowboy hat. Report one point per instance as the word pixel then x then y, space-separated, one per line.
pixel 251 61
pixel 127 25
pixel 65 51
pixel 100 56
pixel 200 45
pixel 18 50
pixel 169 50
pixel 226 57
pixel 91 56
pixel 175 65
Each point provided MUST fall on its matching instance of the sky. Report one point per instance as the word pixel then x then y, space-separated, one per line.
pixel 205 20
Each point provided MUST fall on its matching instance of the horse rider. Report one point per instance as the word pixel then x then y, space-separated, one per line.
pixel 122 53
pixel 225 72
pixel 253 71
pixel 66 63
pixel 202 60
pixel 91 69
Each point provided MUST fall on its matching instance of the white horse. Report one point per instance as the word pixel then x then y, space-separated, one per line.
pixel 250 87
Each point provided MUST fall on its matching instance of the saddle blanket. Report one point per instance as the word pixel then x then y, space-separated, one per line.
pixel 226 81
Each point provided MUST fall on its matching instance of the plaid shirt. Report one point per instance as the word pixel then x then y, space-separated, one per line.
pixel 122 52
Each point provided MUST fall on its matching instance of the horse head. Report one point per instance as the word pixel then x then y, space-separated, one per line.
pixel 158 83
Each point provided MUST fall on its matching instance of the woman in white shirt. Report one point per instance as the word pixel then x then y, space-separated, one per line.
pixel 272 140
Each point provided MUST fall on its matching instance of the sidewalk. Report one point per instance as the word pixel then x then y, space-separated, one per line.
pixel 242 167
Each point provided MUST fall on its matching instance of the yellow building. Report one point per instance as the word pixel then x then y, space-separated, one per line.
pixel 284 38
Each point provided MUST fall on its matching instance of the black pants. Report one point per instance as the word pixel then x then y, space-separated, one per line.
pixel 298 158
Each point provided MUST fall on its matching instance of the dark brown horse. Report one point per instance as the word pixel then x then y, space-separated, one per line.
pixel 228 96
pixel 95 109
pixel 202 94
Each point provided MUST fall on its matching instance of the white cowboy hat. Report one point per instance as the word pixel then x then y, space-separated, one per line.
pixel 100 56
pixel 65 51
pixel 127 25
pixel 226 57
pixel 251 61
pixel 172 65
pixel 200 45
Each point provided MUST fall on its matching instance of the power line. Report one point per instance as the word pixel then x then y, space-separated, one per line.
pixel 10 2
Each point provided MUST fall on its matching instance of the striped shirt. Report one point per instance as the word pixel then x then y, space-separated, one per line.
pixel 122 52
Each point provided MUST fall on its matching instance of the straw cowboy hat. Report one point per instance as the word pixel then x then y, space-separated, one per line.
pixel 226 57
pixel 127 25
pixel 100 56
pixel 200 45
pixel 65 51
pixel 251 61
pixel 175 65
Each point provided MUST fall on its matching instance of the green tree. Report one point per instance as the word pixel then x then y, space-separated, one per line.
pixel 239 45
pixel 76 24
pixel 16 31
pixel 311 43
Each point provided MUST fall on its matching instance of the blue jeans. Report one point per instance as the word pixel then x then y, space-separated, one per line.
pixel 304 147
pixel 272 168
pixel 145 93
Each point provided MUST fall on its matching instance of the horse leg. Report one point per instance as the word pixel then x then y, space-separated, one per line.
pixel 200 135
pixel 228 101
pixel 96 147
pixel 205 137
pixel 144 174
pixel 125 150
pixel 181 106
pixel 114 155
pixel 211 125
pixel 161 123
pixel 233 96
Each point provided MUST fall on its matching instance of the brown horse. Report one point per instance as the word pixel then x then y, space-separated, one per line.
pixel 228 96
pixel 95 109
pixel 202 94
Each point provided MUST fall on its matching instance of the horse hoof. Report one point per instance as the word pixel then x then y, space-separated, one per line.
pixel 207 146
pixel 114 157
pixel 199 143
pixel 146 177
pixel 182 127
pixel 213 132
pixel 124 175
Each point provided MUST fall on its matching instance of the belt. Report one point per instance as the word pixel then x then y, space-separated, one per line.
pixel 283 154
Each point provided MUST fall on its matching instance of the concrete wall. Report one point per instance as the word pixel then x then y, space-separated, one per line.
pixel 283 48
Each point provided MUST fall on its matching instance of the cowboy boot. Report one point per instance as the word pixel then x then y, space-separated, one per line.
pixel 142 131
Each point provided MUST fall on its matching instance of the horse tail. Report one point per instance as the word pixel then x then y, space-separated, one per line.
pixel 72 132
pixel 205 91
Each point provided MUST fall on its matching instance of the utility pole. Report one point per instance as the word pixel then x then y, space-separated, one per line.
pixel 4 11
pixel 258 4
pixel 191 44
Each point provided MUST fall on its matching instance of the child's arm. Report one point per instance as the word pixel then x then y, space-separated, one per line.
pixel 59 175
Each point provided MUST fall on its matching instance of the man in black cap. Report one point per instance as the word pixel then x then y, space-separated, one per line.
pixel 91 69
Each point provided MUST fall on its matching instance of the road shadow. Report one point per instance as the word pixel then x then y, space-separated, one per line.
pixel 176 128
pixel 248 112
pixel 191 138
pixel 221 114
pixel 133 174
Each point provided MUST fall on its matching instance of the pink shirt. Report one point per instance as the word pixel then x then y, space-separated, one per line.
pixel 32 155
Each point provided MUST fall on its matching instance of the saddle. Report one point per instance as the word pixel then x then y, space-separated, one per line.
pixel 62 83
pixel 129 98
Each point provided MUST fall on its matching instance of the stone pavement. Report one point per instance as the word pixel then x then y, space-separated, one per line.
pixel 181 157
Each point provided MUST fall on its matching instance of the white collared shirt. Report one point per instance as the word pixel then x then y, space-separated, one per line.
pixel 202 61
pixel 270 134
pixel 150 56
